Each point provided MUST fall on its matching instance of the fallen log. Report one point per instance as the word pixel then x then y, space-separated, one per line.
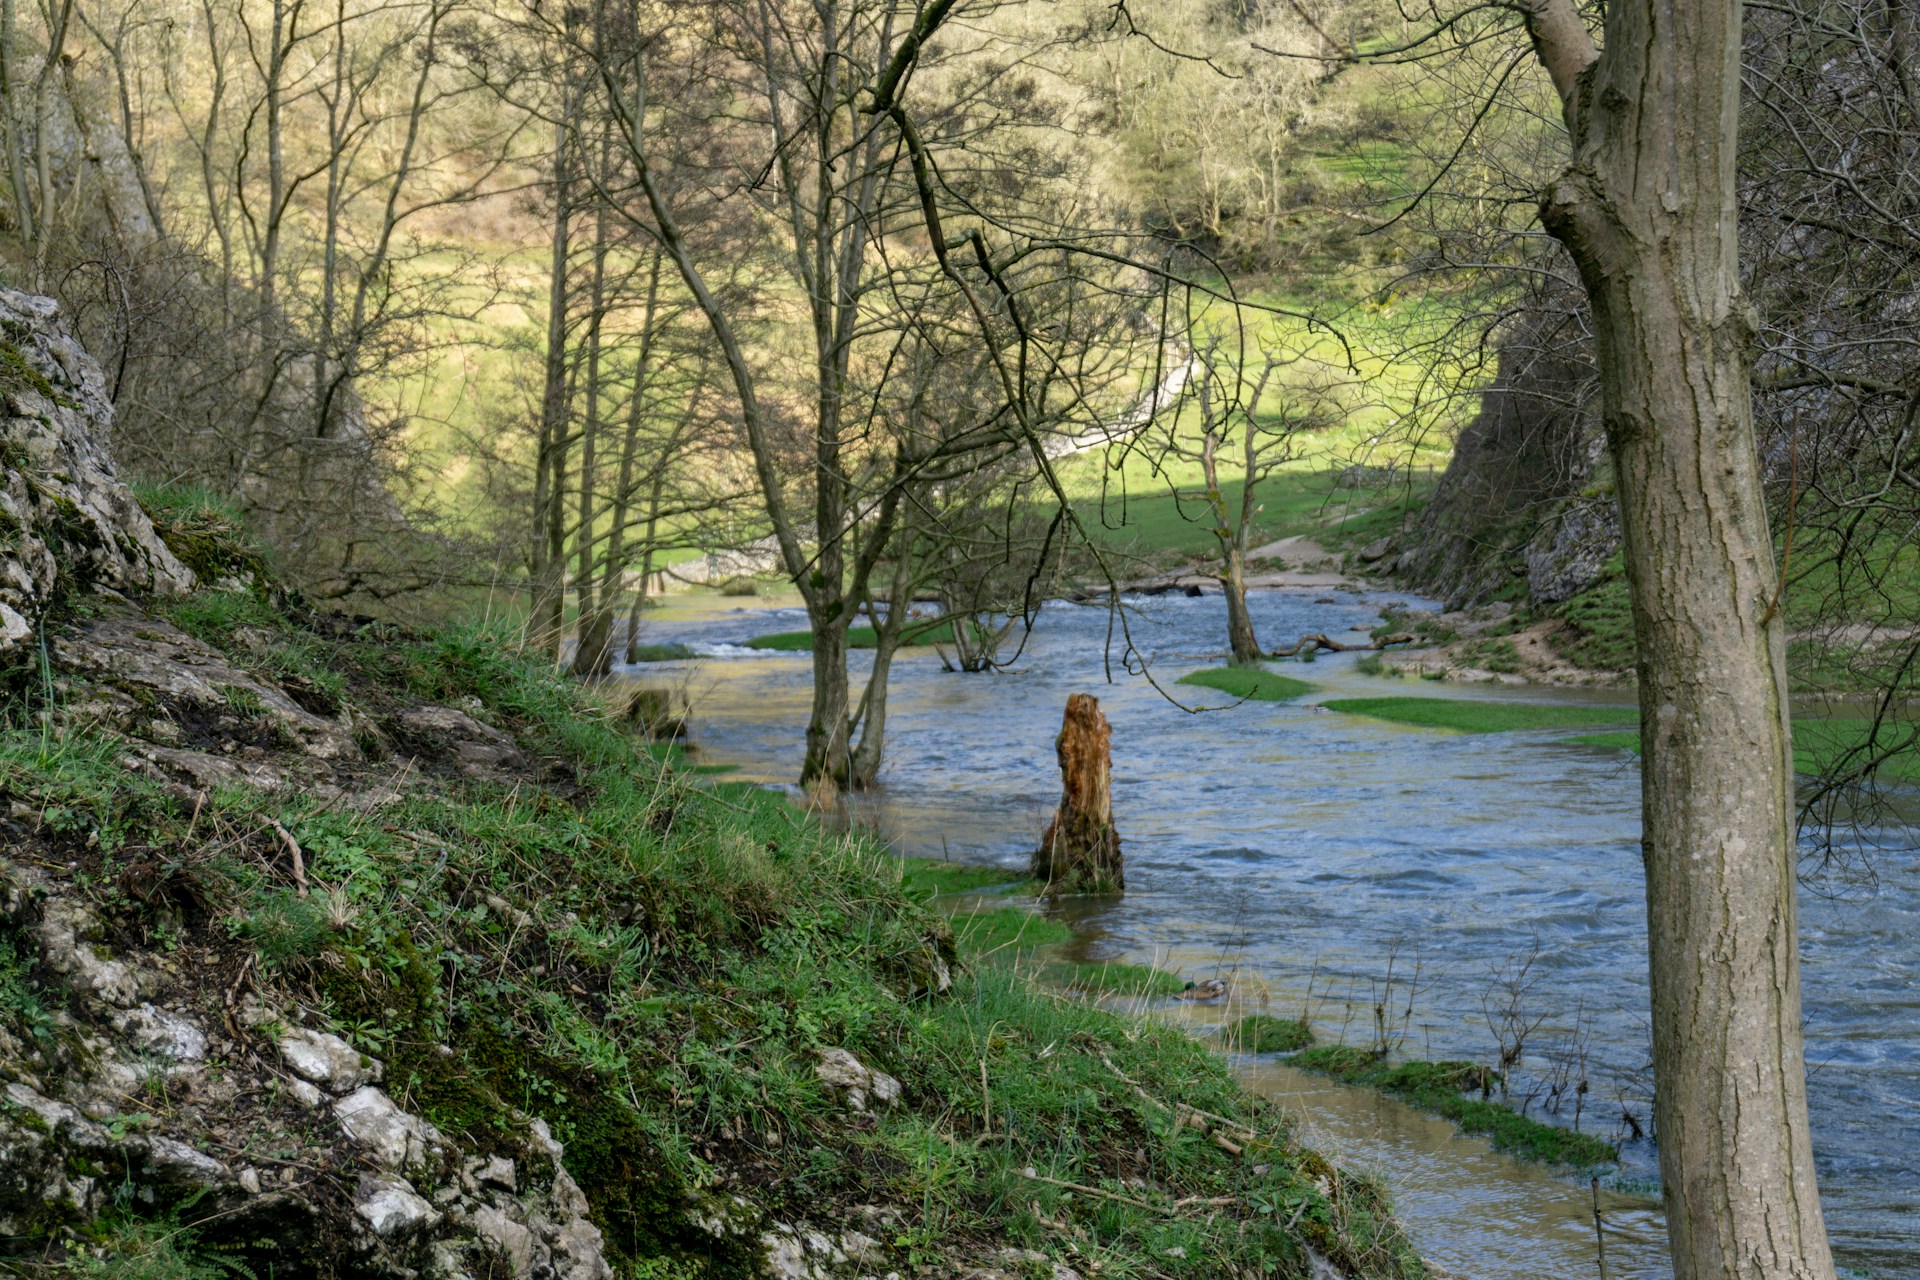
pixel 1318 641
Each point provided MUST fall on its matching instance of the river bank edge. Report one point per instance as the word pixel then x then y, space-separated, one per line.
pixel 1458 1091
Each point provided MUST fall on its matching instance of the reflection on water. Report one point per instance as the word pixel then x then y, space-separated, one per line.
pixel 1347 863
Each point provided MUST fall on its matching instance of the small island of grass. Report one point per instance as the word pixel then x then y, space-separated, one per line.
pixel 1251 683
pixel 931 632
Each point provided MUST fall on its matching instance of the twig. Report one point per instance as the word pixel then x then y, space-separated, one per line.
pixel 1178 1108
pixel 1093 1191
pixel 1599 1237
pixel 299 862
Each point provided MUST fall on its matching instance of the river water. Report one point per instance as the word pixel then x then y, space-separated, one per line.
pixel 1330 864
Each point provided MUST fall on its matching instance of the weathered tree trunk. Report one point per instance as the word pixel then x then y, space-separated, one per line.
pixel 1080 849
pixel 1647 210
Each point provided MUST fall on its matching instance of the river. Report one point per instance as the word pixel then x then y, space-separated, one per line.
pixel 1326 861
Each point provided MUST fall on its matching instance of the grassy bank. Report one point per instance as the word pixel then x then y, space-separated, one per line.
pixel 654 963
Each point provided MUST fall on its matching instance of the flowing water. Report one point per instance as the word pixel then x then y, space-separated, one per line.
pixel 1332 864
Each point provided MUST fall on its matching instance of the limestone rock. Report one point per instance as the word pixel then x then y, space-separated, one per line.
pixel 395 1139
pixel 1570 553
pixel 391 1207
pixel 860 1084
pixel 164 666
pixel 163 1034
pixel 66 520
pixel 480 749
pixel 327 1060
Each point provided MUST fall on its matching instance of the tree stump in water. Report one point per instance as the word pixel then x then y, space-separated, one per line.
pixel 1080 849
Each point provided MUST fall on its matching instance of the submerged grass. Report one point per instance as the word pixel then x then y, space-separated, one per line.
pixel 1443 1088
pixel 1477 716
pixel 1112 977
pixel 1818 745
pixel 652 964
pixel 924 878
pixel 1264 1033
pixel 1253 683
pixel 857 637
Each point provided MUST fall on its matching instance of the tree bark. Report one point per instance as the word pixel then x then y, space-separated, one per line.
pixel 1647 210
pixel 1081 850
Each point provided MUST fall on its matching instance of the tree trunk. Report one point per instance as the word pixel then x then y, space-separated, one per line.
pixel 1080 849
pixel 1228 534
pixel 1245 645
pixel 828 751
pixel 549 487
pixel 1647 210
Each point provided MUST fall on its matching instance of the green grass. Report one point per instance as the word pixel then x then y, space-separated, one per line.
pixel 1476 716
pixel 1264 1033
pixel 924 878
pixel 1112 977
pixel 1441 1087
pixel 1599 632
pixel 660 653
pixel 652 965
pixel 857 637
pixel 1818 745
pixel 997 930
pixel 1252 683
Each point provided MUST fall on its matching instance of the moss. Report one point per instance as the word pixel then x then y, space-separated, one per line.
pixel 18 374
pixel 1264 1033
pixel 1252 683
pixel 1473 715
pixel 205 532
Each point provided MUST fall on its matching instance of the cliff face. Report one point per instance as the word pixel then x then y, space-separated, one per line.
pixel 1524 501
pixel 66 521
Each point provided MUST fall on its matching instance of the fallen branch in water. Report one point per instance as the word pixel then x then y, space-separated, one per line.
pixel 1318 641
